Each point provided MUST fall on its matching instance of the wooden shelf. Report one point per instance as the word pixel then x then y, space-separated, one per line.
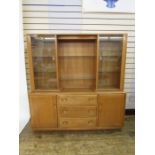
pixel 79 37
pixel 77 90
pixel 63 79
pixel 51 79
pixel 46 57
pixel 78 76
pixel 45 72
pixel 77 56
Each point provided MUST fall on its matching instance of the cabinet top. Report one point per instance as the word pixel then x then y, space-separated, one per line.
pixel 79 36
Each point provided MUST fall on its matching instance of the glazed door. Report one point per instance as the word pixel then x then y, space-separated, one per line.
pixel 111 110
pixel 44 62
pixel 109 61
pixel 43 111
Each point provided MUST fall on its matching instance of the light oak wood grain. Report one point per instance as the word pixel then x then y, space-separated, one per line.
pixel 84 92
pixel 43 111
pixel 111 110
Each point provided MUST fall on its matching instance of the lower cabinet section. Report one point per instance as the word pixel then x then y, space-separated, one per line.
pixel 43 111
pixel 111 110
pixel 78 111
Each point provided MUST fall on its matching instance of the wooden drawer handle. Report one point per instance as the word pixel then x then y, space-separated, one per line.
pixel 64 111
pixel 90 99
pixel 90 111
pixel 90 122
pixel 64 99
pixel 65 122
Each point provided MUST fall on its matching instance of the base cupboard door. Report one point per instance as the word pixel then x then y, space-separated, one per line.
pixel 43 111
pixel 111 110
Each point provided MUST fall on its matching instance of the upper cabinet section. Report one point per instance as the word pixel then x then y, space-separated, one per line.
pixel 77 62
pixel 110 61
pixel 43 50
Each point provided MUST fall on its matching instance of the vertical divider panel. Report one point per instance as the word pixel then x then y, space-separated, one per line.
pixel 97 61
pixel 30 62
pixel 123 62
pixel 56 59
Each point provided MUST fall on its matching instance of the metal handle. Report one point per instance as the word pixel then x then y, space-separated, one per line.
pixel 53 58
pixel 101 58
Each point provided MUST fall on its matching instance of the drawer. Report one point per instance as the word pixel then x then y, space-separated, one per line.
pixel 77 123
pixel 77 111
pixel 77 100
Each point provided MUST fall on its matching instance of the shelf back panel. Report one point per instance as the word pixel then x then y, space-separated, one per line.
pixel 77 64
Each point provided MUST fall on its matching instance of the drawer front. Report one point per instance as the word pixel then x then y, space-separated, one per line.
pixel 77 100
pixel 77 123
pixel 77 111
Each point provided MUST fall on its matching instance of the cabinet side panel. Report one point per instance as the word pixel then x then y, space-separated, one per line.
pixel 30 63
pixel 123 62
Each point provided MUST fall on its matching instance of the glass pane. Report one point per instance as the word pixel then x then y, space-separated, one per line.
pixel 110 49
pixel 44 65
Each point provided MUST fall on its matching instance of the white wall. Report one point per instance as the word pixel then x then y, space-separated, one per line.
pixel 23 100
pixel 66 16
pixel 125 6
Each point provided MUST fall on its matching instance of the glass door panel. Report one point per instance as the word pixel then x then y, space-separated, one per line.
pixel 110 50
pixel 44 61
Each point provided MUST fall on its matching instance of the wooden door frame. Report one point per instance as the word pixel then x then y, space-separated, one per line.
pixel 30 61
pixel 97 61
pixel 123 62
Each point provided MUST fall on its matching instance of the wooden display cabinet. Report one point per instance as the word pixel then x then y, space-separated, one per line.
pixel 76 81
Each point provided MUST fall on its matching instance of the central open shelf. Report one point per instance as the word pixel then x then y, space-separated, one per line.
pixel 77 64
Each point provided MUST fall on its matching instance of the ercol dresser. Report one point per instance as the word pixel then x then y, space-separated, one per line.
pixel 76 81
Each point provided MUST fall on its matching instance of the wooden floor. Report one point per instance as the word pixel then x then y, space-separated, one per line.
pixel 105 142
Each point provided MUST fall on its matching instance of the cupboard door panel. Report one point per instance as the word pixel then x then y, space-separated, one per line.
pixel 111 110
pixel 43 111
